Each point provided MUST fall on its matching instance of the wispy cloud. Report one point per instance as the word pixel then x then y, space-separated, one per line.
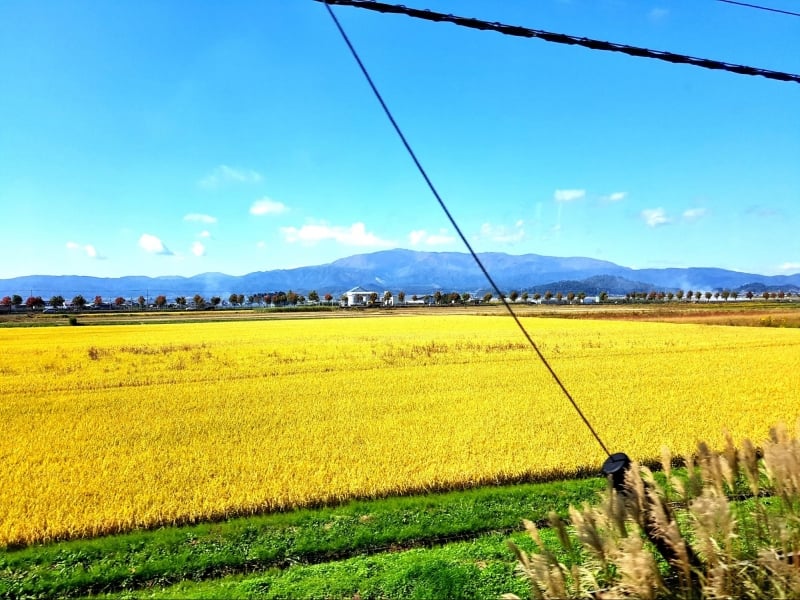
pixel 267 206
pixel 88 249
pixel 790 267
pixel 568 195
pixel 657 14
pixel 198 249
pixel 694 214
pixel 153 245
pixel 199 218
pixel 614 197
pixel 759 210
pixel 556 228
pixel 223 174
pixel 653 217
pixel 354 235
pixel 502 234
pixel 204 234
pixel 421 237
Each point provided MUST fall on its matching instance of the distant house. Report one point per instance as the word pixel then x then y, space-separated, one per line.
pixel 358 296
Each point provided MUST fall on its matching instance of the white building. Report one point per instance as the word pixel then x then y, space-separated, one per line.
pixel 358 296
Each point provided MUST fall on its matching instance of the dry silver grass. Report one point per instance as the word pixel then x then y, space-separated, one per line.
pixel 547 575
pixel 748 461
pixel 717 548
pixel 638 571
pixel 665 526
pixel 782 462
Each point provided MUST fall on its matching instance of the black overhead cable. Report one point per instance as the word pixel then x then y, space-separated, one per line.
pixel 759 7
pixel 458 229
pixel 560 38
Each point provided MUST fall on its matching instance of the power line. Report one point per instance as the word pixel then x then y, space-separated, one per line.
pixel 458 229
pixel 560 38
pixel 759 7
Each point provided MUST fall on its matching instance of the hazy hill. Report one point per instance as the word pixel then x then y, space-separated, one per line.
pixel 415 273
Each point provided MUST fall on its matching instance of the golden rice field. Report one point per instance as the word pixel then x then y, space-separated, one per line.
pixel 112 428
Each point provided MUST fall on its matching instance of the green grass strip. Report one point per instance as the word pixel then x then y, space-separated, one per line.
pixel 169 555
pixel 478 569
pixel 483 567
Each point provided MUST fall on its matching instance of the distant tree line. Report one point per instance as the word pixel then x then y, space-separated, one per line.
pixel 291 298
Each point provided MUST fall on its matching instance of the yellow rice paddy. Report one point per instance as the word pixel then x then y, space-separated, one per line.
pixel 111 428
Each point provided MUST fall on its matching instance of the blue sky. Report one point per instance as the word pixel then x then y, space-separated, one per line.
pixel 176 138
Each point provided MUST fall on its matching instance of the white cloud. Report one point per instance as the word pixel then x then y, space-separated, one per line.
pixel 266 206
pixel 654 217
pixel 421 236
pixel 204 234
pixel 198 249
pixel 693 214
pixel 790 267
pixel 355 235
pixel 224 174
pixel 153 245
pixel 615 197
pixel 502 234
pixel 657 14
pixel 568 195
pixel 762 211
pixel 416 236
pixel 261 244
pixel 88 249
pixel 199 218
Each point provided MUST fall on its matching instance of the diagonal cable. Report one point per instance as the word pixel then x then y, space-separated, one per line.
pixel 458 229
pixel 560 38
pixel 759 7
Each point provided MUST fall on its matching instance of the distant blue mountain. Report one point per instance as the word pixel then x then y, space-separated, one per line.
pixel 414 273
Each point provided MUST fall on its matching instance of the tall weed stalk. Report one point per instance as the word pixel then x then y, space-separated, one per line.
pixel 727 527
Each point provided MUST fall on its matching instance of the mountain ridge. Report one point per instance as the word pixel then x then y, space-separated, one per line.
pixel 414 272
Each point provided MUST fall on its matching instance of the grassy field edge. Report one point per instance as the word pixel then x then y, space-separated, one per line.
pixel 244 545
pixel 483 567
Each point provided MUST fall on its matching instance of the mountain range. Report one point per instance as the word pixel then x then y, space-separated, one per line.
pixel 414 272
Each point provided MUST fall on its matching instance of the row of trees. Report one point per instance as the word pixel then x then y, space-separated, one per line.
pixel 464 298
pixel 16 301
pixel 513 296
pixel 697 296
pixel 291 298
pixel 161 301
